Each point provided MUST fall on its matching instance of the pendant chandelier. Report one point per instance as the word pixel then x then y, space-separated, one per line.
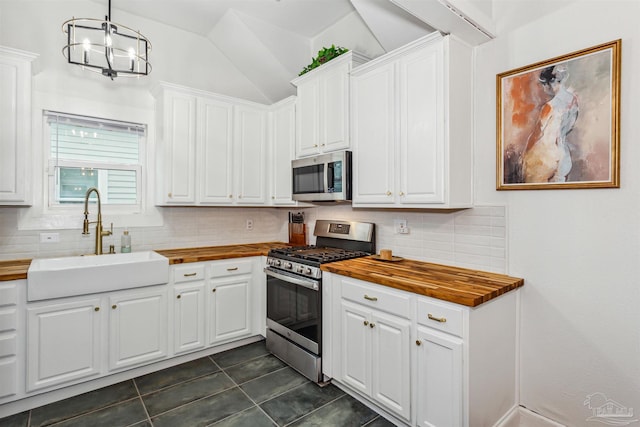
pixel 105 47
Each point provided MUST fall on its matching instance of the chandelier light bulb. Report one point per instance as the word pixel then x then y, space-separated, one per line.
pixel 86 47
pixel 132 58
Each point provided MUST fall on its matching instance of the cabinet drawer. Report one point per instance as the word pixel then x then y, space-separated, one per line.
pixel 8 319
pixel 8 377
pixel 8 345
pixel 231 268
pixel 440 316
pixel 377 297
pixel 188 273
pixel 8 294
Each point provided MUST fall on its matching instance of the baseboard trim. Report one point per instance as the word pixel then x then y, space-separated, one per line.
pixel 520 416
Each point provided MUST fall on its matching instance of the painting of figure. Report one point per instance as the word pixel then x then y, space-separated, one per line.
pixel 558 122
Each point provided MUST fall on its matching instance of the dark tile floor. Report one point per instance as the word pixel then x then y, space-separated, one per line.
pixel 245 386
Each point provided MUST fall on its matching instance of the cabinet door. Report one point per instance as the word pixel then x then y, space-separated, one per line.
pixel 373 130
pixel 229 301
pixel 422 138
pixel 188 317
pixel 250 137
pixel 15 127
pixel 282 152
pixel 391 359
pixel 308 118
pixel 137 328
pixel 355 347
pixel 179 139
pixel 215 151
pixel 334 113
pixel 439 388
pixel 63 343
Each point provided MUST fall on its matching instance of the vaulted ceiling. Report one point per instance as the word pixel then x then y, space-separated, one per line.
pixel 270 41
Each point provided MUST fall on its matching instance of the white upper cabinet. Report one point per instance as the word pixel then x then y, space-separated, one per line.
pixel 251 154
pixel 211 148
pixel 215 148
pixel 177 160
pixel 15 126
pixel 322 115
pixel 282 150
pixel 411 127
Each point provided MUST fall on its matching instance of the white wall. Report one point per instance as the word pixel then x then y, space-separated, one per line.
pixel 578 250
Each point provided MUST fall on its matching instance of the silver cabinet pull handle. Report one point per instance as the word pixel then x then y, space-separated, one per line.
pixel 232 269
pixel 437 319
pixel 367 297
pixel 189 274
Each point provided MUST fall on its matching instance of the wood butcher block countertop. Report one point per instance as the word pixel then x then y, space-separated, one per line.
pixel 211 253
pixel 17 269
pixel 454 284
pixel 14 269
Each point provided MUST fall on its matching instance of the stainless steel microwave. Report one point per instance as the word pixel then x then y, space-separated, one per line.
pixel 322 178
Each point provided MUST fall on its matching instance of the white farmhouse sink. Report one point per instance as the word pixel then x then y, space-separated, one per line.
pixel 79 275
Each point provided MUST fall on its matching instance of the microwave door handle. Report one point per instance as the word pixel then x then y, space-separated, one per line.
pixel 329 177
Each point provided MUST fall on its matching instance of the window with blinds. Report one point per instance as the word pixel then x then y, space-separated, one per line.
pixel 90 152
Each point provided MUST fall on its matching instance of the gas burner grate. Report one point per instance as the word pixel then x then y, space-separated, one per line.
pixel 317 254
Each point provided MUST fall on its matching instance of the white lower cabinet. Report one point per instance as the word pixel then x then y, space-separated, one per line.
pixel 63 342
pixel 189 307
pixel 48 346
pixel 137 328
pixel 422 360
pixel 12 333
pixel 375 348
pixel 439 379
pixel 212 303
pixel 189 317
pixel 229 299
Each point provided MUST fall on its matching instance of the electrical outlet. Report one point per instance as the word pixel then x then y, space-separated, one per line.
pixel 401 226
pixel 49 237
pixel 249 224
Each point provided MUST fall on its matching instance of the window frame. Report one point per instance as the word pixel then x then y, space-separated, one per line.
pixel 141 168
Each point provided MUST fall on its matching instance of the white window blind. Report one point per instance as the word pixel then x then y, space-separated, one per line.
pixel 90 152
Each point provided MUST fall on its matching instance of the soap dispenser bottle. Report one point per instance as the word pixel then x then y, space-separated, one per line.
pixel 125 242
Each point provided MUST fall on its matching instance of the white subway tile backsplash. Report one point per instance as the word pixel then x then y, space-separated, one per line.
pixel 474 238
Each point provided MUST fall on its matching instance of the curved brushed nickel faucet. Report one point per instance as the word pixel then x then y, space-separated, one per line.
pixel 85 227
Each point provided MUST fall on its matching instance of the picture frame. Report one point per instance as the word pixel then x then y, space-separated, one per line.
pixel 558 122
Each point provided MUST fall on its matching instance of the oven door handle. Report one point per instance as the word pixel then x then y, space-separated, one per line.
pixel 307 283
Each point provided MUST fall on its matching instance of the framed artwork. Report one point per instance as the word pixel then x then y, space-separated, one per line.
pixel 558 122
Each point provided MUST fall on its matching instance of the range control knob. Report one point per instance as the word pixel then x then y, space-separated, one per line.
pixel 277 263
pixel 300 269
pixel 288 265
pixel 308 270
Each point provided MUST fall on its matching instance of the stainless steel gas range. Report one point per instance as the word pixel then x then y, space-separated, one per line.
pixel 294 291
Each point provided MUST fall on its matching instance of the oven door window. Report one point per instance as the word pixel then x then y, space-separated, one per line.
pixel 294 307
pixel 308 179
